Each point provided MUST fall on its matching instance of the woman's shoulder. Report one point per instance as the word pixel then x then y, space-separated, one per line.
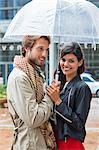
pixel 77 81
pixel 81 85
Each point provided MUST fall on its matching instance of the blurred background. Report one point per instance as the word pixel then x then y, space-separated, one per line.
pixel 8 9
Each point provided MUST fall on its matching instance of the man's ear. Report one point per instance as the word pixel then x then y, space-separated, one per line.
pixel 27 49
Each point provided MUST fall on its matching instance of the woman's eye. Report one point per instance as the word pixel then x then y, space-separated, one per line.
pixel 71 61
pixel 63 59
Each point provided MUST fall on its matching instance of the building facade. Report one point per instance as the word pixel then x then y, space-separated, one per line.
pixel 8 9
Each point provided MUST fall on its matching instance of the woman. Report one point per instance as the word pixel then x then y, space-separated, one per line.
pixel 73 102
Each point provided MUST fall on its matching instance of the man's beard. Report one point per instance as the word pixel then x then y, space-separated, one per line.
pixel 34 62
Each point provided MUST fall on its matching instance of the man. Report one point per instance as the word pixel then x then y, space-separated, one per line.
pixel 29 106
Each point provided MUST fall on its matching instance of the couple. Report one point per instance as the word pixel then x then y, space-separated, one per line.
pixel 31 106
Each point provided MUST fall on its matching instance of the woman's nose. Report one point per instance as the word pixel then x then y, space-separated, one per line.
pixel 66 62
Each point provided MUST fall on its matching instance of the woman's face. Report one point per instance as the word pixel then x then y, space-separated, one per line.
pixel 69 65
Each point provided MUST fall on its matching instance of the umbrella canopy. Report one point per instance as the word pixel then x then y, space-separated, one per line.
pixel 67 20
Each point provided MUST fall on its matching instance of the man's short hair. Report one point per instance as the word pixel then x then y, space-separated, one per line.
pixel 28 42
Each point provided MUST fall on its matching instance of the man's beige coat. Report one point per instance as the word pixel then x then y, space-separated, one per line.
pixel 21 99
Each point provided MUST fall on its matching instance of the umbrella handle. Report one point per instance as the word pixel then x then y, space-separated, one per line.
pixel 57 75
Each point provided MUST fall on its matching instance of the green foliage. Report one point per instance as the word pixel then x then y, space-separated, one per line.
pixel 2 90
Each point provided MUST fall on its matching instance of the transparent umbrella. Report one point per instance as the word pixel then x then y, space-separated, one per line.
pixel 63 20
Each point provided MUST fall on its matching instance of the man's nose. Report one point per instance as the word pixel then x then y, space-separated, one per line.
pixel 45 53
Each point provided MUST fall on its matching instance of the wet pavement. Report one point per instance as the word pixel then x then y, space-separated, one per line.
pixel 92 128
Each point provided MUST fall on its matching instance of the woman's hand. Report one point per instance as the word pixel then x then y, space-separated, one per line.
pixel 54 92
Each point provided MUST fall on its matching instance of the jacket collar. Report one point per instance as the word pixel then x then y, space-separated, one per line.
pixel 73 81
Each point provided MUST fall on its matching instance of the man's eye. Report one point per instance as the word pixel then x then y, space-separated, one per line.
pixel 41 48
pixel 47 49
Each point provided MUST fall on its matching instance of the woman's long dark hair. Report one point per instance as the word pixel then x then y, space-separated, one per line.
pixel 72 48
